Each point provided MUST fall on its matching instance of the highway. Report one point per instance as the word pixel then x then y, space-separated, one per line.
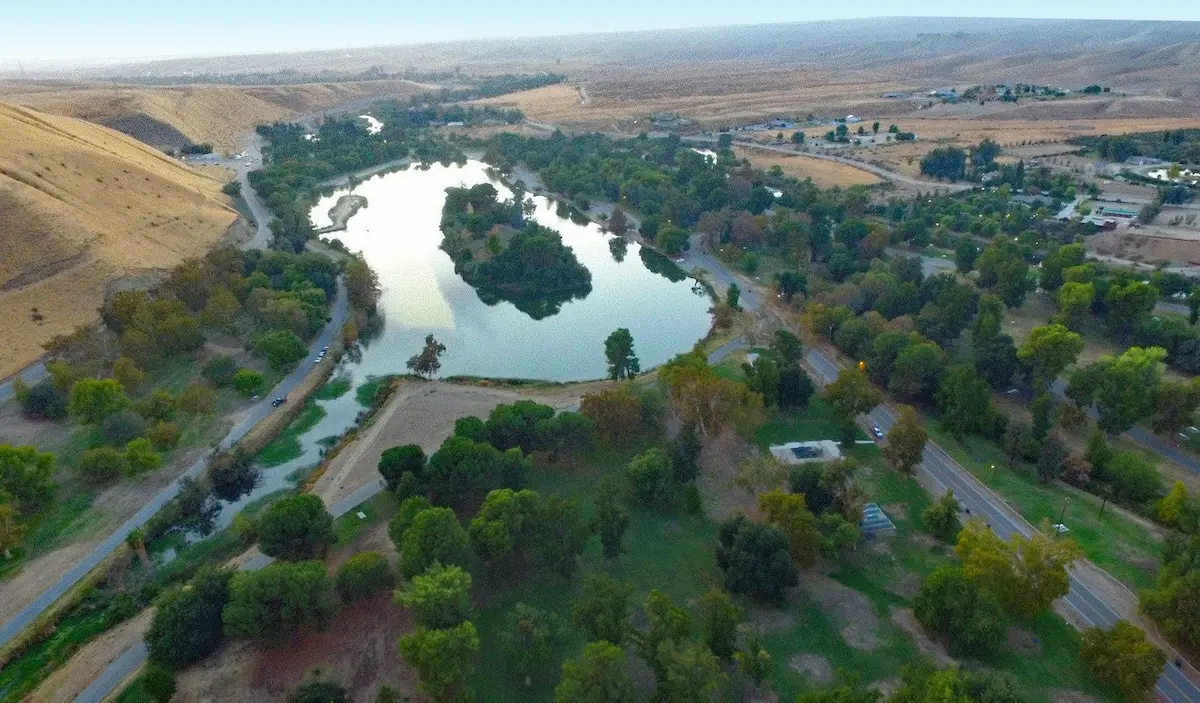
pixel 338 314
pixel 1174 686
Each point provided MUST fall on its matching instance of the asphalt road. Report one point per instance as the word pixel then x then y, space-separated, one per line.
pixel 338 313
pixel 133 657
pixel 697 257
pixel 981 502
pixel 30 374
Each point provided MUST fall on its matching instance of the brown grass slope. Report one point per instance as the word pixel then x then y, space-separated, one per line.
pixel 80 207
pixel 217 114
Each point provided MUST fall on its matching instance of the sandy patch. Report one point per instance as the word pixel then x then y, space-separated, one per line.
pixel 824 173
pixel 423 413
pixel 814 666
pixel 850 610
pixel 719 459
pixel 1022 641
pixel 908 622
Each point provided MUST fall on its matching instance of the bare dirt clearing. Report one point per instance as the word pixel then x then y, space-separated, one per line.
pixel 824 173
pixel 423 413
pixel 850 610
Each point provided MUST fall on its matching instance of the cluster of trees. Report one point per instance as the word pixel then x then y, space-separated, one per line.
pixel 922 681
pixel 967 605
pixel 776 374
pixel 1174 599
pixel 1179 145
pixel 505 256
pixel 952 164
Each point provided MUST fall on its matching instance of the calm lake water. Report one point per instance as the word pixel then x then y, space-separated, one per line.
pixel 399 234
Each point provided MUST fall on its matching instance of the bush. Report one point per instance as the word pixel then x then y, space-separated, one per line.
pixel 364 575
pixel 281 348
pixel 756 560
pixel 319 692
pixel 158 683
pixel 248 382
pixel 122 427
pixel 141 457
pixel 187 621
pixel 295 528
pixel 44 402
pixel 197 399
pixel 219 370
pixel 650 480
pixel 101 465
pixel 163 435
pixel 396 460
pixel 272 604
pixel 951 606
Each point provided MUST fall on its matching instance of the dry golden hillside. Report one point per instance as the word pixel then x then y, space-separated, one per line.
pixel 218 114
pixel 80 207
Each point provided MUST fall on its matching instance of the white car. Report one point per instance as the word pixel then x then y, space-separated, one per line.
pixel 877 432
pixel 1061 528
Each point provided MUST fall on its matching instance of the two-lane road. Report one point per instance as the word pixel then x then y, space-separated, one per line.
pixel 339 313
pixel 982 502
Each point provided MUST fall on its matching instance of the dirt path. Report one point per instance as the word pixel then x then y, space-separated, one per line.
pixel 69 681
pixel 423 413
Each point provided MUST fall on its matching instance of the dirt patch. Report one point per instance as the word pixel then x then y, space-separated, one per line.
pixel 1070 696
pixel 906 586
pixel 814 666
pixel 359 650
pixel 824 173
pixel 766 620
pixel 850 610
pixel 908 622
pixel 1022 641
pixel 886 686
pixel 719 459
pixel 423 413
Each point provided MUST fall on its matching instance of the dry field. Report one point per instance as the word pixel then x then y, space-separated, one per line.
pixel 82 206
pixel 217 114
pixel 824 173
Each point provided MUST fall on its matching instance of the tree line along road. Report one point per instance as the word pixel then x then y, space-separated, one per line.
pixel 1174 685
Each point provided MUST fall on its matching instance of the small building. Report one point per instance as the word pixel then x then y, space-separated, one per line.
pixel 875 521
pixel 794 453
pixel 778 123
pixel 852 119
pixel 1115 210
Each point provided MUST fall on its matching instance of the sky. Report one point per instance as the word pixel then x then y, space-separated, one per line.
pixel 68 30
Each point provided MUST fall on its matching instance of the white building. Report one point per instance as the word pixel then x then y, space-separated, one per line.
pixel 794 453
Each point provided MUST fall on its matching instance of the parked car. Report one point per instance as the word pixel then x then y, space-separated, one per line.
pixel 877 432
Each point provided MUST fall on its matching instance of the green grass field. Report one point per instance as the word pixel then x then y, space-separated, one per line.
pixel 286 446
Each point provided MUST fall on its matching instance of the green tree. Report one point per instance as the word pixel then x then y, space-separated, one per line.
pixel 850 395
pixel 439 597
pixel 27 475
pixel 1048 351
pixel 789 513
pixel 140 456
pixel 753 659
pixel 427 362
pixel 295 528
pixel 219 370
pixel 691 672
pixel 1026 574
pixel 1058 260
pixel 282 348
pixel 610 520
pixel 435 535
pixel 531 639
pixel 1075 303
pixel 443 660
pixel 1127 305
pixel 650 480
pixel 733 296
pixel 363 575
pixel 127 373
pixel 272 604
pixel 965 253
pixel 1125 393
pixel 666 623
pixel 599 675
pixel 186 626
pixel 953 607
pixel 755 559
pixel 618 350
pixel 158 683
pixel 394 461
pixel 1175 404
pixel 93 400
pixel 964 400
pixel 248 382
pixel 719 620
pixel 941 518
pixel 602 608
pixel 1123 659
pixel 905 441
pixel 11 530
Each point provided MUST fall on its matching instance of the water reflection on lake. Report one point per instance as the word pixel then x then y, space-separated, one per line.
pixel 399 233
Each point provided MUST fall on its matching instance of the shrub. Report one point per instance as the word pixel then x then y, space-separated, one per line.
pixel 101 465
pixel 122 427
pixel 44 402
pixel 272 604
pixel 364 575
pixel 319 691
pixel 197 399
pixel 396 460
pixel 163 435
pixel 187 621
pixel 248 382
pixel 141 457
pixel 295 528
pixel 219 370
pixel 158 683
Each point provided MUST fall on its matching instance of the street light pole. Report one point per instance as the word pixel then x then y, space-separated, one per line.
pixel 1062 514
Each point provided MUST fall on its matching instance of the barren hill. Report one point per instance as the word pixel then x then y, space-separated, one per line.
pixel 80 207
pixel 217 114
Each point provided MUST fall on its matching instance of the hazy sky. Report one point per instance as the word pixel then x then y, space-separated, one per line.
pixel 74 29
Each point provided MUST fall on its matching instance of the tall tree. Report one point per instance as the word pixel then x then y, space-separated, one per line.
pixel 755 559
pixel 531 638
pixel 850 395
pixel 599 675
pixel 1127 305
pixel 941 518
pixel 435 535
pixel 272 604
pixel 719 619
pixel 295 528
pixel 186 626
pixel 91 400
pixel 611 519
pixel 905 441
pixel 691 673
pixel 443 660
pixel 704 399
pixel 602 608
pixel 790 514
pixel 1049 350
pixel 438 597
pixel 618 350
pixel 428 361
pixel 952 606
pixel 27 476
pixel 1175 404
pixel 1124 659
pixel 1026 574
pixel 965 401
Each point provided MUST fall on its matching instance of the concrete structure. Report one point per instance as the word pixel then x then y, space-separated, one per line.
pixel 875 521
pixel 794 453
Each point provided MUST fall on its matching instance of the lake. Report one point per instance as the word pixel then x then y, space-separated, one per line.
pixel 398 232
